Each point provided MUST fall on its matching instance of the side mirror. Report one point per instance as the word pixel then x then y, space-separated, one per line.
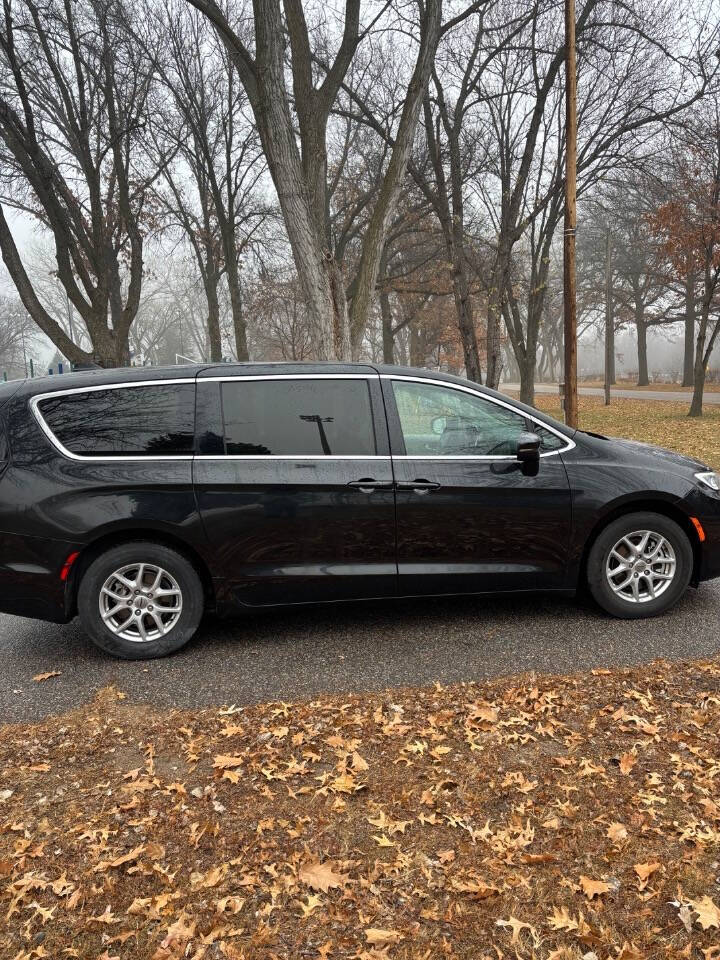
pixel 528 452
pixel 439 425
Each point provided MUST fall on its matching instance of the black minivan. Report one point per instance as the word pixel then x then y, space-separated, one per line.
pixel 141 498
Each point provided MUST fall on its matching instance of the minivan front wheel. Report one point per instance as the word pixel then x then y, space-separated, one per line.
pixel 140 600
pixel 640 565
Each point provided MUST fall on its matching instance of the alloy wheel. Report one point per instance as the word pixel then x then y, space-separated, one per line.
pixel 140 602
pixel 641 566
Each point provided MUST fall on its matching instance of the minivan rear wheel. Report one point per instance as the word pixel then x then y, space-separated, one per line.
pixel 639 565
pixel 140 600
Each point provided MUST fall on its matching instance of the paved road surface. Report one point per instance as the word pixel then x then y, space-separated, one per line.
pixel 685 396
pixel 296 653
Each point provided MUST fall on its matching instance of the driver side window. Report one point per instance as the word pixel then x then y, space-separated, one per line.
pixel 440 421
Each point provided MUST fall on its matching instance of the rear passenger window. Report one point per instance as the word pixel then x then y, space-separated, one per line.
pixel 145 421
pixel 3 442
pixel 298 418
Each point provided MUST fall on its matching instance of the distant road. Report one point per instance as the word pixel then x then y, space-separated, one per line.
pixel 682 395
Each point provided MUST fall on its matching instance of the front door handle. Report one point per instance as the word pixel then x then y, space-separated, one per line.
pixel 368 485
pixel 418 486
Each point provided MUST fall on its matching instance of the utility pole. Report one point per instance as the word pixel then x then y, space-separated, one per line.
pixel 609 320
pixel 569 284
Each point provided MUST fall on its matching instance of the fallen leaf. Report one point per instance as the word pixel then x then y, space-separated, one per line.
pixel 120 861
pixel 627 762
pixel 224 762
pixel 517 927
pixel 560 919
pixel 379 937
pixel 321 876
pixel 38 678
pixel 645 871
pixel 617 832
pixel 593 888
pixel 708 913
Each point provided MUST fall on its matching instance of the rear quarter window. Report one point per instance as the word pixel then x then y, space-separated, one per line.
pixel 145 421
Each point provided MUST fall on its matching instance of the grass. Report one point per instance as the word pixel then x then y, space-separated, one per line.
pixel 661 422
pixel 547 818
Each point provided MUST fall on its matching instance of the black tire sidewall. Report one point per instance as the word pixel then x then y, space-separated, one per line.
pixel 606 540
pixel 146 552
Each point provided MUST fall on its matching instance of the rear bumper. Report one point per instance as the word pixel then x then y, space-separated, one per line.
pixel 30 577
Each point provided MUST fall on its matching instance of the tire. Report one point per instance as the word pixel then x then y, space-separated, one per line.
pixel 168 617
pixel 641 589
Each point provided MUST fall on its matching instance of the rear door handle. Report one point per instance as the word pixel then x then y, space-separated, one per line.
pixel 418 486
pixel 368 485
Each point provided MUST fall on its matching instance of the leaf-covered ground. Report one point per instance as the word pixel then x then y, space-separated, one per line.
pixel 545 817
pixel 662 422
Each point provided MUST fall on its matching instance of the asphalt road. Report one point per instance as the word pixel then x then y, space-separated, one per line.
pixel 710 396
pixel 296 653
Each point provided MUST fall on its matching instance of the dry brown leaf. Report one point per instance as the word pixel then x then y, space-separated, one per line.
pixel 560 919
pixel 379 938
pixel 645 871
pixel 225 762
pixel 617 832
pixel 593 888
pixel 708 913
pixel 517 926
pixel 38 678
pixel 322 876
pixel 120 861
pixel 627 762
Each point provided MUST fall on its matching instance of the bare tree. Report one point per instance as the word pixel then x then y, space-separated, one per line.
pixel 625 57
pixel 300 171
pixel 74 97
pixel 215 193
pixel 18 337
pixel 689 225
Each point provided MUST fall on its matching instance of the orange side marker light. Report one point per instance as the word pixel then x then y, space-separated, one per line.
pixel 64 573
pixel 698 526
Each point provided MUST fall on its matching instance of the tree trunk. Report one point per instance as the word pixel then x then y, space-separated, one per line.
pixel 696 405
pixel 492 337
pixel 689 354
pixel 701 354
pixel 466 323
pixel 213 320
pixel 496 293
pixel 236 308
pixel 643 379
pixel 527 379
pixel 609 321
pixel 389 192
pixel 417 352
pixel 388 340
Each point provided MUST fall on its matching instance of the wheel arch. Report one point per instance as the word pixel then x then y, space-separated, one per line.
pixel 115 538
pixel 653 505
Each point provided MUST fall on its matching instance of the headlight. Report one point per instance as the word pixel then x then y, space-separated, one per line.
pixel 711 480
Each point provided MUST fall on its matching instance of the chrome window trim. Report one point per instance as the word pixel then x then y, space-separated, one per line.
pixel 291 376
pixel 570 444
pixel 38 398
pixel 296 458
pixel 95 388
pixel 127 458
